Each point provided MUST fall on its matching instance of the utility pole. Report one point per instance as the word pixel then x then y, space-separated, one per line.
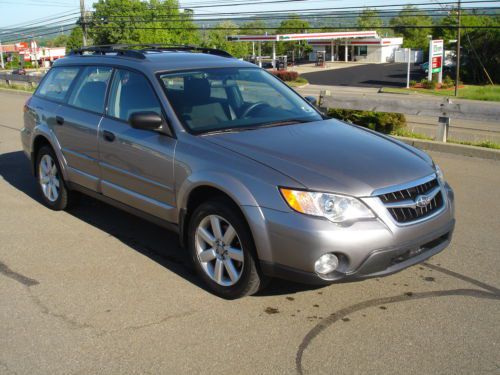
pixel 83 22
pixel 457 68
pixel 1 55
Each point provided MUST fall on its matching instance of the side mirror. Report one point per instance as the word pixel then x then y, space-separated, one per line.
pixel 145 120
pixel 311 99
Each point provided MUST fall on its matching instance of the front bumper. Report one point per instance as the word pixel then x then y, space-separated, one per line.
pixel 289 243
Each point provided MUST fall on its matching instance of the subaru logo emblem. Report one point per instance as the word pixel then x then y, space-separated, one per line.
pixel 422 201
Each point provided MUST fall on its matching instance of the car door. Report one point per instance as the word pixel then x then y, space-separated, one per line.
pixel 77 125
pixel 136 165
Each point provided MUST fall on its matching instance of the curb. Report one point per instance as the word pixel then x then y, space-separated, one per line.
pixel 451 148
pixel 16 92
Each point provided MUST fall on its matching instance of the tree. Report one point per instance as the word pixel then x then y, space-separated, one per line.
pixel 293 25
pixel 217 38
pixel 257 27
pixel 480 47
pixel 412 37
pixel 369 19
pixel 75 39
pixel 136 22
pixel 58 41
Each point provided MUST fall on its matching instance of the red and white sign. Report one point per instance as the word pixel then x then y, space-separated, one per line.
pixel 436 50
pixel 437 62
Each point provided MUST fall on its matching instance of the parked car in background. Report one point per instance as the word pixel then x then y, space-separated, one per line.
pixel 19 71
pixel 254 179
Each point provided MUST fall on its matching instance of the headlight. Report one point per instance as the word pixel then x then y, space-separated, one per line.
pixel 439 174
pixel 336 208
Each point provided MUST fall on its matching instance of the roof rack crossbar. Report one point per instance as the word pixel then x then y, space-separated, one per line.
pixel 139 50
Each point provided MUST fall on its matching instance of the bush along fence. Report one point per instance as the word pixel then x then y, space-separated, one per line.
pixel 368 109
pixel 285 75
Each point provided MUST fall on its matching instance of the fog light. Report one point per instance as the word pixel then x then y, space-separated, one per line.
pixel 326 264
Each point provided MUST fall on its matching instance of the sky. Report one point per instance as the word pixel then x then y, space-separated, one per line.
pixel 17 12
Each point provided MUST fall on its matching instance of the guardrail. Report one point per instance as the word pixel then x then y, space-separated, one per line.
pixel 10 78
pixel 443 108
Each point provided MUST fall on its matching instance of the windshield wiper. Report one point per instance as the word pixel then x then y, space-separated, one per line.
pixel 281 123
pixel 255 127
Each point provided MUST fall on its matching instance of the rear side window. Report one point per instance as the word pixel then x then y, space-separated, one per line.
pixel 90 90
pixel 57 83
pixel 130 93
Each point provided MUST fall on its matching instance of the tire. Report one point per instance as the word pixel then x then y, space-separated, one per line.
pixel 49 176
pixel 244 263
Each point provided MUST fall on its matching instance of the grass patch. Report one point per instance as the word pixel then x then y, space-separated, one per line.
pixel 298 82
pixel 486 93
pixel 486 144
pixel 17 87
pixel 409 134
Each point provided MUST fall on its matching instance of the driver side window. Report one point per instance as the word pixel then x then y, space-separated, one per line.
pixel 130 93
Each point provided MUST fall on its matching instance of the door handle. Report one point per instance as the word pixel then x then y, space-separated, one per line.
pixel 108 136
pixel 59 120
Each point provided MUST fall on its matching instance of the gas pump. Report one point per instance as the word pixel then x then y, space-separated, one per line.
pixel 320 58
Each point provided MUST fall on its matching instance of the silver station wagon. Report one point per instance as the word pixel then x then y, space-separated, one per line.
pixel 255 180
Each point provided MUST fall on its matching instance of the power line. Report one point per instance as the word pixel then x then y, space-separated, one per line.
pixel 38 20
pixel 35 28
pixel 340 15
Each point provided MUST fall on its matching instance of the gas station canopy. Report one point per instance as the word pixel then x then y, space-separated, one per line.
pixel 338 46
pixel 305 36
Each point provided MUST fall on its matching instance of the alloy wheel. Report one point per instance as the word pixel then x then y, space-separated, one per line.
pixel 219 250
pixel 49 178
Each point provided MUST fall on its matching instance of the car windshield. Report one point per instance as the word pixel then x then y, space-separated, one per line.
pixel 234 99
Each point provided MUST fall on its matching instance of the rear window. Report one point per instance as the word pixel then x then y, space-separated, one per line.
pixel 90 90
pixel 57 83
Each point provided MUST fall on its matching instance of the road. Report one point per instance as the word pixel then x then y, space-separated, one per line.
pixel 97 291
pixel 366 75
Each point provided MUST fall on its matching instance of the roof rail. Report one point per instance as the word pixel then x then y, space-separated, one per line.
pixel 139 50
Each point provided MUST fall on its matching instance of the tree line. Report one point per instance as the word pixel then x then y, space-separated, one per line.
pixel 162 22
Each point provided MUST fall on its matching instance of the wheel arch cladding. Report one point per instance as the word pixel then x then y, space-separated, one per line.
pixel 39 141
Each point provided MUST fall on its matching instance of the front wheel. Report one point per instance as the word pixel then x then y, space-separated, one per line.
pixel 222 250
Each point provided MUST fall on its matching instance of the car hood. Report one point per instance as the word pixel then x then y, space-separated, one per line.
pixel 330 156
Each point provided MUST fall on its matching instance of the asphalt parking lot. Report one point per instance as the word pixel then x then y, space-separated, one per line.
pixel 97 291
pixel 367 75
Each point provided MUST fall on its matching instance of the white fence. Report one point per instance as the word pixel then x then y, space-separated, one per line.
pixel 416 56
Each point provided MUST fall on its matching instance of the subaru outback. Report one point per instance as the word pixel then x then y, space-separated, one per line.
pixel 256 181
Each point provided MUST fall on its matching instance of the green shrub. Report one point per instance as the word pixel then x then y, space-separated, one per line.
pixel 447 82
pixel 384 122
pixel 285 75
pixel 431 85
pixel 413 83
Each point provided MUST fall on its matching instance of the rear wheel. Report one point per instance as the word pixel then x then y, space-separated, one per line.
pixel 222 250
pixel 53 189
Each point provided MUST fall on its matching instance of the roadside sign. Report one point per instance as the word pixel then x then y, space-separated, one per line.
pixel 436 51
pixel 437 64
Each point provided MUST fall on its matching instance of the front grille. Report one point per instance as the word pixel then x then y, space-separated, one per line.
pixel 402 206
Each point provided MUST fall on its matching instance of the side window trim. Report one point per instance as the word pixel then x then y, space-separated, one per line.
pixel 108 91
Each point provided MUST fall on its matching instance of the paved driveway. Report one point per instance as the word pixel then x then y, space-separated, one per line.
pixel 366 75
pixel 97 291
